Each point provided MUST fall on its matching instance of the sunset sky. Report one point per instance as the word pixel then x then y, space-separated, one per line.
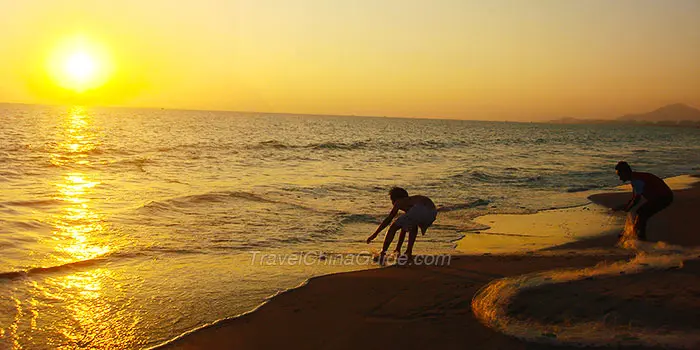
pixel 516 60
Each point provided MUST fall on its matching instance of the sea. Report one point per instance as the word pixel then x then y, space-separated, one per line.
pixel 125 228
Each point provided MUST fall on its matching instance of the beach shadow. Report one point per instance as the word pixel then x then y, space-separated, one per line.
pixel 658 300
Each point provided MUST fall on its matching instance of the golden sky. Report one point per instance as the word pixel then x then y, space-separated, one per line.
pixel 516 60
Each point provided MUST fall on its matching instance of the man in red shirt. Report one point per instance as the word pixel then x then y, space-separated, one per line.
pixel 657 194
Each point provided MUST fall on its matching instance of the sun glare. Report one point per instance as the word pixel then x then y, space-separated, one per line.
pixel 80 65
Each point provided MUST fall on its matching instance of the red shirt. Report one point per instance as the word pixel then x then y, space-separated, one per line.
pixel 649 186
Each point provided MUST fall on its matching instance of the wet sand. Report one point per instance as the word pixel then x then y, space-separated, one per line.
pixel 418 307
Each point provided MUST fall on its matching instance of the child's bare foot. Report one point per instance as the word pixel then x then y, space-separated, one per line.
pixel 380 259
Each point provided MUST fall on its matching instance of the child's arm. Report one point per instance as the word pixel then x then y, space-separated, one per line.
pixel 384 223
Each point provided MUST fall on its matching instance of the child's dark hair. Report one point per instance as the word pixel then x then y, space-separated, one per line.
pixel 397 193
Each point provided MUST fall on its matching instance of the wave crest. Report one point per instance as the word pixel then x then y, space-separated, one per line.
pixel 477 203
pixel 184 202
pixel 50 269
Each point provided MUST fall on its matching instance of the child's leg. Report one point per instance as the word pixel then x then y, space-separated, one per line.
pixel 402 236
pixel 389 236
pixel 411 240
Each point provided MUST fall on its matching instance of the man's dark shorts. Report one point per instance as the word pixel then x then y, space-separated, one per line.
pixel 654 206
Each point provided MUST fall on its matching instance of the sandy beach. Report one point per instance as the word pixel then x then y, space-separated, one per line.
pixel 596 285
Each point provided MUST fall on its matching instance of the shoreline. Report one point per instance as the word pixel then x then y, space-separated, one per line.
pixel 294 314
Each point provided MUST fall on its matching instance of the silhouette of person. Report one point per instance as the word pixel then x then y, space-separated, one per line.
pixel 420 213
pixel 656 192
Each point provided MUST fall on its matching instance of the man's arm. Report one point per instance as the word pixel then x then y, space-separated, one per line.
pixel 632 202
pixel 637 190
pixel 384 223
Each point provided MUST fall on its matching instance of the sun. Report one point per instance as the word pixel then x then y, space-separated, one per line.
pixel 80 65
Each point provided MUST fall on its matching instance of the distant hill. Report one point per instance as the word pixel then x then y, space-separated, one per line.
pixel 671 113
pixel 570 120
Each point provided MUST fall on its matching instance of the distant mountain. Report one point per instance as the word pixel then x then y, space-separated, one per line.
pixel 570 120
pixel 671 113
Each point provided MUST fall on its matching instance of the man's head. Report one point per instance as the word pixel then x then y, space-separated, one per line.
pixel 624 171
pixel 397 193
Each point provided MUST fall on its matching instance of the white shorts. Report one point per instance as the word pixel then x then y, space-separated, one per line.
pixel 419 215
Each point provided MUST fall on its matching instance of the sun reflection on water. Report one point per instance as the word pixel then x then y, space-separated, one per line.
pixel 79 140
pixel 85 305
pixel 78 226
pixel 93 312
pixel 79 235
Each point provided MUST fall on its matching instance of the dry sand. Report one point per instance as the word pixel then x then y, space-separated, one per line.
pixel 430 307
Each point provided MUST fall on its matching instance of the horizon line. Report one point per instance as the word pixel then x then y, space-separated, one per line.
pixel 551 119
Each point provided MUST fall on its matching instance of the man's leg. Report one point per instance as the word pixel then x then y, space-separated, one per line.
pixel 411 240
pixel 640 226
pixel 646 211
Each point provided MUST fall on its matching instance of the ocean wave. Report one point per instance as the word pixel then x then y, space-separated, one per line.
pixel 33 203
pixel 508 178
pixel 339 145
pixel 139 162
pixel 358 218
pixel 30 225
pixel 10 173
pixel 536 178
pixel 63 151
pixel 168 250
pixel 582 188
pixel 115 255
pixel 477 203
pixel 359 145
pixel 155 206
pixel 486 177
pixel 222 196
pixel 336 188
pixel 229 147
pixel 270 144
pixel 209 197
pixel 10 148
pixel 51 269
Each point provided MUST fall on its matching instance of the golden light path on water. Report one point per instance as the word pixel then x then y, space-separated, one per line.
pixel 78 230
pixel 83 297
pixel 79 224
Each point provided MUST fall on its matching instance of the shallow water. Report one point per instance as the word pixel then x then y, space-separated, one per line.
pixel 125 227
